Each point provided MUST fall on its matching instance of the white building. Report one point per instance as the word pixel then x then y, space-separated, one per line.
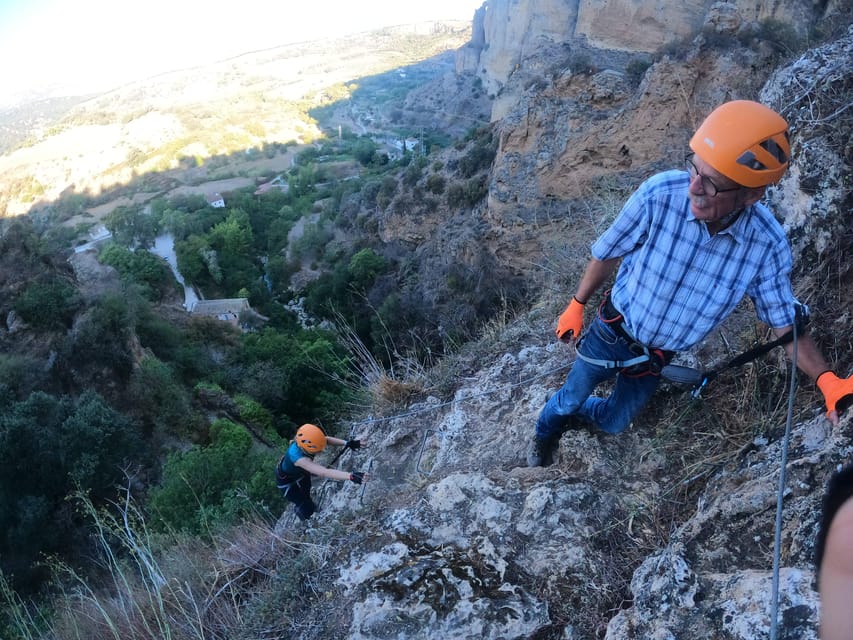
pixel 216 201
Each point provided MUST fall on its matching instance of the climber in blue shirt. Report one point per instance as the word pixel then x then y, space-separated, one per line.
pixel 294 470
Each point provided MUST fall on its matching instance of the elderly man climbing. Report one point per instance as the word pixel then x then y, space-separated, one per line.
pixel 688 246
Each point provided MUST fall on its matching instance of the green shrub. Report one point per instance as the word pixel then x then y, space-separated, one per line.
pixel 101 337
pixel 140 267
pixel 435 183
pixel 635 71
pixel 50 304
pixel 475 190
pixel 205 488
pixel 364 266
pixel 412 175
pixel 49 447
pixel 479 157
pixel 386 192
pixel 455 195
pixel 254 412
pixel 159 400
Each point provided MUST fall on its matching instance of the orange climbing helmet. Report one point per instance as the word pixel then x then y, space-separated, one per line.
pixel 310 438
pixel 745 141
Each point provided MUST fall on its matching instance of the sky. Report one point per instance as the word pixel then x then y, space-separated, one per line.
pixel 82 46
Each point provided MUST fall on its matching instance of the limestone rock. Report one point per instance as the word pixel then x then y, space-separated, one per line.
pixel 509 32
pixel 723 17
pixel 14 322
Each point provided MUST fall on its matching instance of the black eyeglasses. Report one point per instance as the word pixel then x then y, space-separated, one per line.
pixel 708 186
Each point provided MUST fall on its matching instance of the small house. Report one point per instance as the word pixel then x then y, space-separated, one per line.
pixel 216 201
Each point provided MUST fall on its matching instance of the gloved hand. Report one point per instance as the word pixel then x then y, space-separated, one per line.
pixel 835 391
pixel 570 323
pixel 353 444
pixel 357 477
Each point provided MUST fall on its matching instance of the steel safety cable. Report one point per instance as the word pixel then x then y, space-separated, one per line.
pixel 448 403
pixel 774 599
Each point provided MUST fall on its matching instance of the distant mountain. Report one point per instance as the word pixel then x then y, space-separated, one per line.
pixel 233 105
pixel 29 117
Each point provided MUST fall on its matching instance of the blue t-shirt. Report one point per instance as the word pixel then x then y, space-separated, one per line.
pixel 677 282
pixel 288 467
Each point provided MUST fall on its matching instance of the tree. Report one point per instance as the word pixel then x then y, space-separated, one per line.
pixel 49 304
pixel 364 266
pixel 191 259
pixel 97 443
pixel 435 183
pixel 233 236
pixel 131 227
pixel 101 338
pixel 206 487
pixel 365 151
pixel 157 398
pixel 50 447
pixel 140 267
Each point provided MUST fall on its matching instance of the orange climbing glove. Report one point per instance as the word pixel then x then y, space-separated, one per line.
pixel 835 390
pixel 570 322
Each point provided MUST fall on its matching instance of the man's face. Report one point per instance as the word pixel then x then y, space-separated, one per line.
pixel 711 208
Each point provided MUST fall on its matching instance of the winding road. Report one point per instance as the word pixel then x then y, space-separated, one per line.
pixel 164 246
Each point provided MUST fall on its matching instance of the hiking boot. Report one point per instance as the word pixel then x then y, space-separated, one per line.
pixel 541 452
pixel 573 423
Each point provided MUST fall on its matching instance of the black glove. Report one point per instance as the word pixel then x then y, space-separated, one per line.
pixel 357 477
pixel 353 444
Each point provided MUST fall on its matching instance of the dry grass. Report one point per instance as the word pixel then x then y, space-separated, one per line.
pixel 251 582
pixel 383 389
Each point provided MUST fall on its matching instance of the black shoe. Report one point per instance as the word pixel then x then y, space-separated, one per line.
pixel 541 452
pixel 574 423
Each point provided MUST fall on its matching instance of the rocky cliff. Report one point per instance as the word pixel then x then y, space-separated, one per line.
pixel 508 33
pixel 667 530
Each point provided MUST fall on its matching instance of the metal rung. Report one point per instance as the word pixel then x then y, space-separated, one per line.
pixel 421 454
pixel 364 484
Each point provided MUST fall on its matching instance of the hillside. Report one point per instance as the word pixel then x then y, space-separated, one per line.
pixel 180 120
pixel 428 285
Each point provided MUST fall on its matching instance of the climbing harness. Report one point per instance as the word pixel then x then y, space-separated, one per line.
pixel 648 361
pixel 285 478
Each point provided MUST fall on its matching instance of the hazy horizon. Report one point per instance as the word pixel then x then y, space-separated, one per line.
pixel 96 45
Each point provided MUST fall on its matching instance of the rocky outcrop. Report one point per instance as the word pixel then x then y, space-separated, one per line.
pixel 508 33
pixel 713 578
pixel 558 143
pixel 814 195
pixel 456 538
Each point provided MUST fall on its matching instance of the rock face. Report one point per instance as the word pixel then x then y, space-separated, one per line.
pixel 558 142
pixel 463 541
pixel 508 32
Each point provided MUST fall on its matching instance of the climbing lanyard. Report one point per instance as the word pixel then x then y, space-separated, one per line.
pixel 697 378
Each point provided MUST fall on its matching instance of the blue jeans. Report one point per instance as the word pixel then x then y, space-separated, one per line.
pixel 612 414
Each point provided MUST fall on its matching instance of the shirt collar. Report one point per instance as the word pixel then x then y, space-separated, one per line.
pixel 738 230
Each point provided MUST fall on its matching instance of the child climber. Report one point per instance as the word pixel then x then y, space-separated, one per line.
pixel 294 470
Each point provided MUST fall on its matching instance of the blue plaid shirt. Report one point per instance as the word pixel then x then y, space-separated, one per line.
pixel 677 282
